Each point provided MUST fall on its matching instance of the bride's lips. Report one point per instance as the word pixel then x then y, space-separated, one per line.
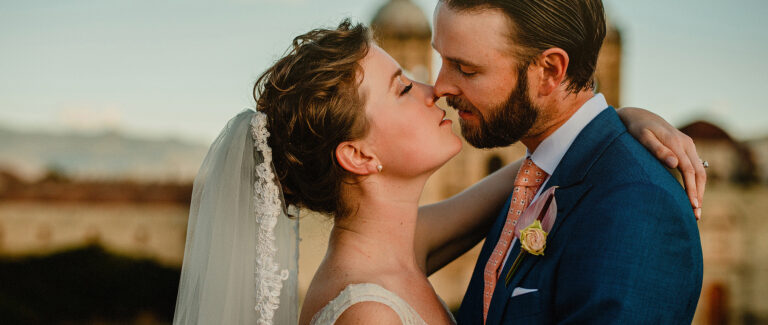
pixel 445 121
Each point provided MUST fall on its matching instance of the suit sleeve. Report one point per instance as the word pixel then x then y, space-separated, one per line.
pixel 635 257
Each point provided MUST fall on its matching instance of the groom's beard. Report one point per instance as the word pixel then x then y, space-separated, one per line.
pixel 506 123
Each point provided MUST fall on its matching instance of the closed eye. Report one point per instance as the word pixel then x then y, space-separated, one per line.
pixel 406 89
pixel 463 70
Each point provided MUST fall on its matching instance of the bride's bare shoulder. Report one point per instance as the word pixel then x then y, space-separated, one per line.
pixel 368 312
pixel 332 278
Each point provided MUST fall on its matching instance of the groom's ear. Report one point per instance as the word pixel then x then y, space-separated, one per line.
pixel 354 157
pixel 552 64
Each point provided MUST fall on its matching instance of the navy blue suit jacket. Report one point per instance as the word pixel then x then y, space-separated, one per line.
pixel 624 249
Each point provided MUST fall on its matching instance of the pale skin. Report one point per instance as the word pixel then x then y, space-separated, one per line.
pixel 376 244
pixel 390 240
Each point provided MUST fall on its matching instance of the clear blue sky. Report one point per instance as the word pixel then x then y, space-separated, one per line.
pixel 183 68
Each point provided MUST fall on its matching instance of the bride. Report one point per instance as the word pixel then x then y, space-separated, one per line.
pixel 338 129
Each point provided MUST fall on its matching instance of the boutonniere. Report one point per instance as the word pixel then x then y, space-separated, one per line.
pixel 533 239
pixel 539 218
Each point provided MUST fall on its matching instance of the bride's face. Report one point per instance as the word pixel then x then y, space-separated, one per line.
pixel 408 132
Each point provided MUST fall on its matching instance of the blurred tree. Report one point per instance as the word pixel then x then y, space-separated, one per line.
pixel 85 285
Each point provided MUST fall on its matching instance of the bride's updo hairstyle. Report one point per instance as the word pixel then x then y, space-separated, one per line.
pixel 312 103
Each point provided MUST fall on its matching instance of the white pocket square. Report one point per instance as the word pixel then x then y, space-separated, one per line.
pixel 521 291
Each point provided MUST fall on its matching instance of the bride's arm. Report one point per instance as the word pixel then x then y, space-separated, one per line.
pixel 448 229
pixel 458 223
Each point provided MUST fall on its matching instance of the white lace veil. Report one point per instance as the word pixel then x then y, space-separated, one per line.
pixel 241 254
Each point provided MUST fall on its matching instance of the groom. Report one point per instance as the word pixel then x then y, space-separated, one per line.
pixel 625 245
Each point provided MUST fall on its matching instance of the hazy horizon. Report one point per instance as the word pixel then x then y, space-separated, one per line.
pixel 173 70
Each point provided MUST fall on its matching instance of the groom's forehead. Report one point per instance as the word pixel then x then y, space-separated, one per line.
pixel 471 35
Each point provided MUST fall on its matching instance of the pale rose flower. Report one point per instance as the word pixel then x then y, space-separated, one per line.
pixel 534 239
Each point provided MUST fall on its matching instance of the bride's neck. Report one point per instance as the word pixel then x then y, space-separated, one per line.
pixel 382 224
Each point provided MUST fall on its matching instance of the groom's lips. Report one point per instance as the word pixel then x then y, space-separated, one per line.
pixel 465 114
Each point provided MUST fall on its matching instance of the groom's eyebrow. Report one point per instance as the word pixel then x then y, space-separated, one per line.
pixel 462 62
pixel 457 60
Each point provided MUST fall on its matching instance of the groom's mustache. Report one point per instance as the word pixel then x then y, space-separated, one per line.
pixel 460 104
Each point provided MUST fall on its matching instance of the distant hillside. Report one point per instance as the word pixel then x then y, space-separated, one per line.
pixel 107 155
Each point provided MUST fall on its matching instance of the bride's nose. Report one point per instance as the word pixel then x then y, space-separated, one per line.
pixel 428 92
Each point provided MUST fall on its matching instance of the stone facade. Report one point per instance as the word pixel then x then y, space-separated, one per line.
pixel 608 71
pixel 732 230
pixel 146 221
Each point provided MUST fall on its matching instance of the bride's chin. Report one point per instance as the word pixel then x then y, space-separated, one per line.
pixel 455 149
pixel 457 146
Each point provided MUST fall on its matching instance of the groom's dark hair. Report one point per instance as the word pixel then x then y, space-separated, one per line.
pixel 576 26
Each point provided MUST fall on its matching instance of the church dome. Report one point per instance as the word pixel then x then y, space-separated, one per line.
pixel 401 19
pixel 706 130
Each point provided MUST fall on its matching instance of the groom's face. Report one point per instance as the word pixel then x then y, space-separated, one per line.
pixel 481 77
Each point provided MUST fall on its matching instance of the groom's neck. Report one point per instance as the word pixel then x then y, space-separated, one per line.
pixel 554 111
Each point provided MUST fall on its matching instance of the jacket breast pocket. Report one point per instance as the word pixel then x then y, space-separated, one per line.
pixel 522 306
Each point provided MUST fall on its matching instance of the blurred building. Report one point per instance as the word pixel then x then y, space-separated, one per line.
pixel 733 228
pixel 141 220
pixel 608 72
pixel 401 28
pixel 149 220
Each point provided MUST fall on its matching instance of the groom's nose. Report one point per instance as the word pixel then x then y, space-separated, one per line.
pixel 444 86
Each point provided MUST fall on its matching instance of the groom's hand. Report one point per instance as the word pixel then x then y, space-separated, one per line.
pixel 674 148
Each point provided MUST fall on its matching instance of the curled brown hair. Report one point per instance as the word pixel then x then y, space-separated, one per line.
pixel 312 103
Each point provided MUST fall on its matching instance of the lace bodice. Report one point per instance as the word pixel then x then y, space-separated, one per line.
pixel 355 293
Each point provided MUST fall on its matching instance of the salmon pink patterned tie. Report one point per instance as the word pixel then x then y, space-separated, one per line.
pixel 527 183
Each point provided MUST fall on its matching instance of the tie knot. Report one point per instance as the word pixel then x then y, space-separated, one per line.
pixel 530 174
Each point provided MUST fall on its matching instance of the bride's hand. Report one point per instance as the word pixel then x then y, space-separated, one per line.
pixel 671 146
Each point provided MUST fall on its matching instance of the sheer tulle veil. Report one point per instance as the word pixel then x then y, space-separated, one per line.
pixel 241 254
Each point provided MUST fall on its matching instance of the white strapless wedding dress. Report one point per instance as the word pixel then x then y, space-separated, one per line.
pixel 355 293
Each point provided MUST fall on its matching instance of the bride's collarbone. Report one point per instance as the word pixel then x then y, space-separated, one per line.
pixel 412 286
pixel 421 296
pixel 415 289
pixel 418 295
pixel 341 268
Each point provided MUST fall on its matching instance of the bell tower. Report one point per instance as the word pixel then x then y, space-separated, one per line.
pixel 608 71
pixel 401 28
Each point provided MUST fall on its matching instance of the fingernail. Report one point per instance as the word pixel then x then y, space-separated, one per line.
pixel 696 204
pixel 698 214
pixel 671 161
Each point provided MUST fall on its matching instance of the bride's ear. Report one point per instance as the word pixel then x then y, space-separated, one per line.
pixel 353 157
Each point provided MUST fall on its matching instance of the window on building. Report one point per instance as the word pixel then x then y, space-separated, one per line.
pixel 494 163
pixel 717 304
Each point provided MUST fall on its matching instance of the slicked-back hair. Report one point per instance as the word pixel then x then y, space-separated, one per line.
pixel 576 26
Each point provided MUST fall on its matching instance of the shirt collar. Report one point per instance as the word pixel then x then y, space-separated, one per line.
pixel 549 153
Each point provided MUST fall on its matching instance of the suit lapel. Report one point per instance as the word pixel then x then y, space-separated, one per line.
pixel 502 293
pixel 569 175
pixel 578 161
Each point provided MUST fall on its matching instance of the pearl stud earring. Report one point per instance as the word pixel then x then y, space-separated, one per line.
pixel 379 167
